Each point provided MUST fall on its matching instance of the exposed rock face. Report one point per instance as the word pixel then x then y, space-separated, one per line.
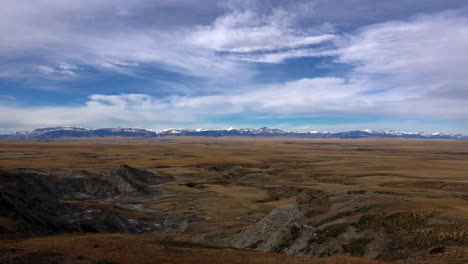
pixel 131 180
pixel 36 198
pixel 347 224
pixel 274 233
pixel 83 185
pixel 124 181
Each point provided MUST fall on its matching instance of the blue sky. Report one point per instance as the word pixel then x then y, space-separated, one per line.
pixel 297 65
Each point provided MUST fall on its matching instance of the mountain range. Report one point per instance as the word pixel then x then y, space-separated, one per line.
pixel 77 132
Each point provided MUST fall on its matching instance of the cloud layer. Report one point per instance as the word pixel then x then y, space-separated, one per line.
pixel 411 67
pixel 100 35
pixel 333 97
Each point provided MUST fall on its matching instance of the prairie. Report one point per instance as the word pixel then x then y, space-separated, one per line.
pixel 226 185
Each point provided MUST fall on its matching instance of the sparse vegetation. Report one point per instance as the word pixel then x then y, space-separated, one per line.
pixel 357 247
pixel 335 230
pixel 345 214
pixel 395 222
pixel 329 232
pixel 421 184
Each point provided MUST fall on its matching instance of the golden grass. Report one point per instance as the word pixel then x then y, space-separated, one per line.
pixel 243 179
pixel 123 248
pixel 425 169
pixel 120 248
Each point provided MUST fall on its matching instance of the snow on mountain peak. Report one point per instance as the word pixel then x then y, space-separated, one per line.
pixel 60 132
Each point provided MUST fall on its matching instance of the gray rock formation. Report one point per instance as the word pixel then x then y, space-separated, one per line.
pixel 131 180
pixel 36 198
pixel 352 223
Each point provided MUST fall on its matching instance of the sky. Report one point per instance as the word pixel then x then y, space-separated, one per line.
pixel 326 65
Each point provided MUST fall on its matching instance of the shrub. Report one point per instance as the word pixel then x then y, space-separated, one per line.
pixel 356 247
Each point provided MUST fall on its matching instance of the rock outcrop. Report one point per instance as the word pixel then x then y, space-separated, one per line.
pixel 352 223
pixel 37 199
pixel 129 180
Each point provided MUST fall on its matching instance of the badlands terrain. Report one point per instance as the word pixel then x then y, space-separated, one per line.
pixel 233 200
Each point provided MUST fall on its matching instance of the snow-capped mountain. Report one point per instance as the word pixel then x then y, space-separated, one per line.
pixel 122 132
pixel 58 132
pixel 264 131
pixel 70 132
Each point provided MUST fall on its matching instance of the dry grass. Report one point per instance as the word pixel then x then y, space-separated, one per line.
pixel 243 179
pixel 119 248
pixel 230 167
pixel 122 249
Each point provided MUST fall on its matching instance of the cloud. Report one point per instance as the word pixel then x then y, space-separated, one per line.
pixel 347 15
pixel 421 45
pixel 413 68
pixel 272 37
pixel 61 70
pixel 333 97
pixel 180 36
pixel 48 37
pixel 246 31
pixel 119 37
pixel 282 56
pixel 418 64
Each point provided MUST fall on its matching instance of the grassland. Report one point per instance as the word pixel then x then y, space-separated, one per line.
pixel 227 184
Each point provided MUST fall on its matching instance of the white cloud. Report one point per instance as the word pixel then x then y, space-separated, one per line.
pixel 425 54
pixel 43 36
pixel 266 38
pixel 282 56
pixel 49 37
pixel 44 69
pixel 62 70
pixel 408 68
pixel 305 97
pixel 414 66
pixel 246 31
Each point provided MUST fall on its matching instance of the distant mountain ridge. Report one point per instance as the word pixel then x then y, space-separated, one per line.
pixel 77 132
